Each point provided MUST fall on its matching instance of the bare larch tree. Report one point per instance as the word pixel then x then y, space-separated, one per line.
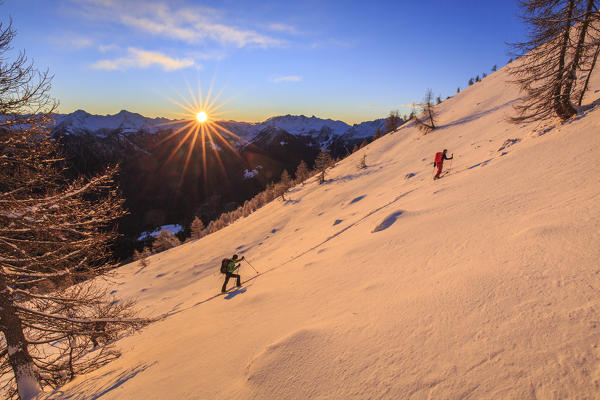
pixel 54 236
pixel 323 162
pixel 559 46
pixel 427 124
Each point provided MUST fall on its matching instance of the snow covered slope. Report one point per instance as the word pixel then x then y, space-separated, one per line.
pixel 384 284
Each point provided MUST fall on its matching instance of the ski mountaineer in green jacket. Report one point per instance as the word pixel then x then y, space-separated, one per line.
pixel 234 264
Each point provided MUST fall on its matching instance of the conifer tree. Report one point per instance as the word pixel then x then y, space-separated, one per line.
pixel 302 172
pixel 428 123
pixel 323 162
pixel 551 58
pixel 285 179
pixel 377 134
pixel 392 122
pixel 197 228
pixel 54 232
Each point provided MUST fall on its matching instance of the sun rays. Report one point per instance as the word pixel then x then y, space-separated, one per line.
pixel 198 126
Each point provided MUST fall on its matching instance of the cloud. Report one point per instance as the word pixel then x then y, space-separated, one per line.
pixel 72 42
pixel 188 24
pixel 277 27
pixel 103 48
pixel 289 78
pixel 138 58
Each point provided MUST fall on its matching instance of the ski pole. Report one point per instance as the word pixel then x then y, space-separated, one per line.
pixel 452 159
pixel 251 266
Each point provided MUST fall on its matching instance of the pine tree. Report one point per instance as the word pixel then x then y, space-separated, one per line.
pixel 197 229
pixel 285 181
pixel 392 122
pixel 323 162
pixel 458 90
pixel 477 79
pixel 54 232
pixel 470 81
pixel 302 172
pixel 494 68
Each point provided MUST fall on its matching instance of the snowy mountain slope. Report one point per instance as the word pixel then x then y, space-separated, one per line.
pixel 483 284
pixel 124 121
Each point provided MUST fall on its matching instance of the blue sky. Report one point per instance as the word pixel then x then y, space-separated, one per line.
pixel 347 60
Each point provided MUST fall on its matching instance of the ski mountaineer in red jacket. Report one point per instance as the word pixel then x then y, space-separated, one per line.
pixel 234 263
pixel 439 162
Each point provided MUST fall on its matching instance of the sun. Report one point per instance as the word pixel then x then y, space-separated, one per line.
pixel 195 129
pixel 201 117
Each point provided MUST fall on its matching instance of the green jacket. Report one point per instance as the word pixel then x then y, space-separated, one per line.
pixel 233 265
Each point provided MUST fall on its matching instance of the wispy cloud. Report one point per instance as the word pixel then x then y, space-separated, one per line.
pixel 72 42
pixel 330 43
pixel 103 48
pixel 138 58
pixel 187 24
pixel 285 28
pixel 288 78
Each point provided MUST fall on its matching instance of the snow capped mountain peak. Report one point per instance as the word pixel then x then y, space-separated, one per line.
pixel 82 122
pixel 126 122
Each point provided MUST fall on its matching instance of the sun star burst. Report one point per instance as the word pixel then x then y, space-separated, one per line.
pixel 198 128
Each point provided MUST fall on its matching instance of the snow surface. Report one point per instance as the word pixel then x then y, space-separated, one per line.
pixel 382 283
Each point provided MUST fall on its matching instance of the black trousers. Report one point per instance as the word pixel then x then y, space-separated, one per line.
pixel 230 275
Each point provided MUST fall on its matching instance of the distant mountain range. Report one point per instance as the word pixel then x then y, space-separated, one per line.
pixel 81 122
pixel 164 181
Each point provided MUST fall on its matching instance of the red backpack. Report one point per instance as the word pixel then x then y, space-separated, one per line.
pixel 438 157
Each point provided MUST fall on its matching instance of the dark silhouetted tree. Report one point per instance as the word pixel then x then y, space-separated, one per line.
pixel 377 134
pixel 392 122
pixel 323 162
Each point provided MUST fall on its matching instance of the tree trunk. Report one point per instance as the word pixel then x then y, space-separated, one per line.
pixel 568 108
pixel 28 384
pixel 587 80
pixel 558 103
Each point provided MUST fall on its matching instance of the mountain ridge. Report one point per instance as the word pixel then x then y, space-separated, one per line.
pixel 125 122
